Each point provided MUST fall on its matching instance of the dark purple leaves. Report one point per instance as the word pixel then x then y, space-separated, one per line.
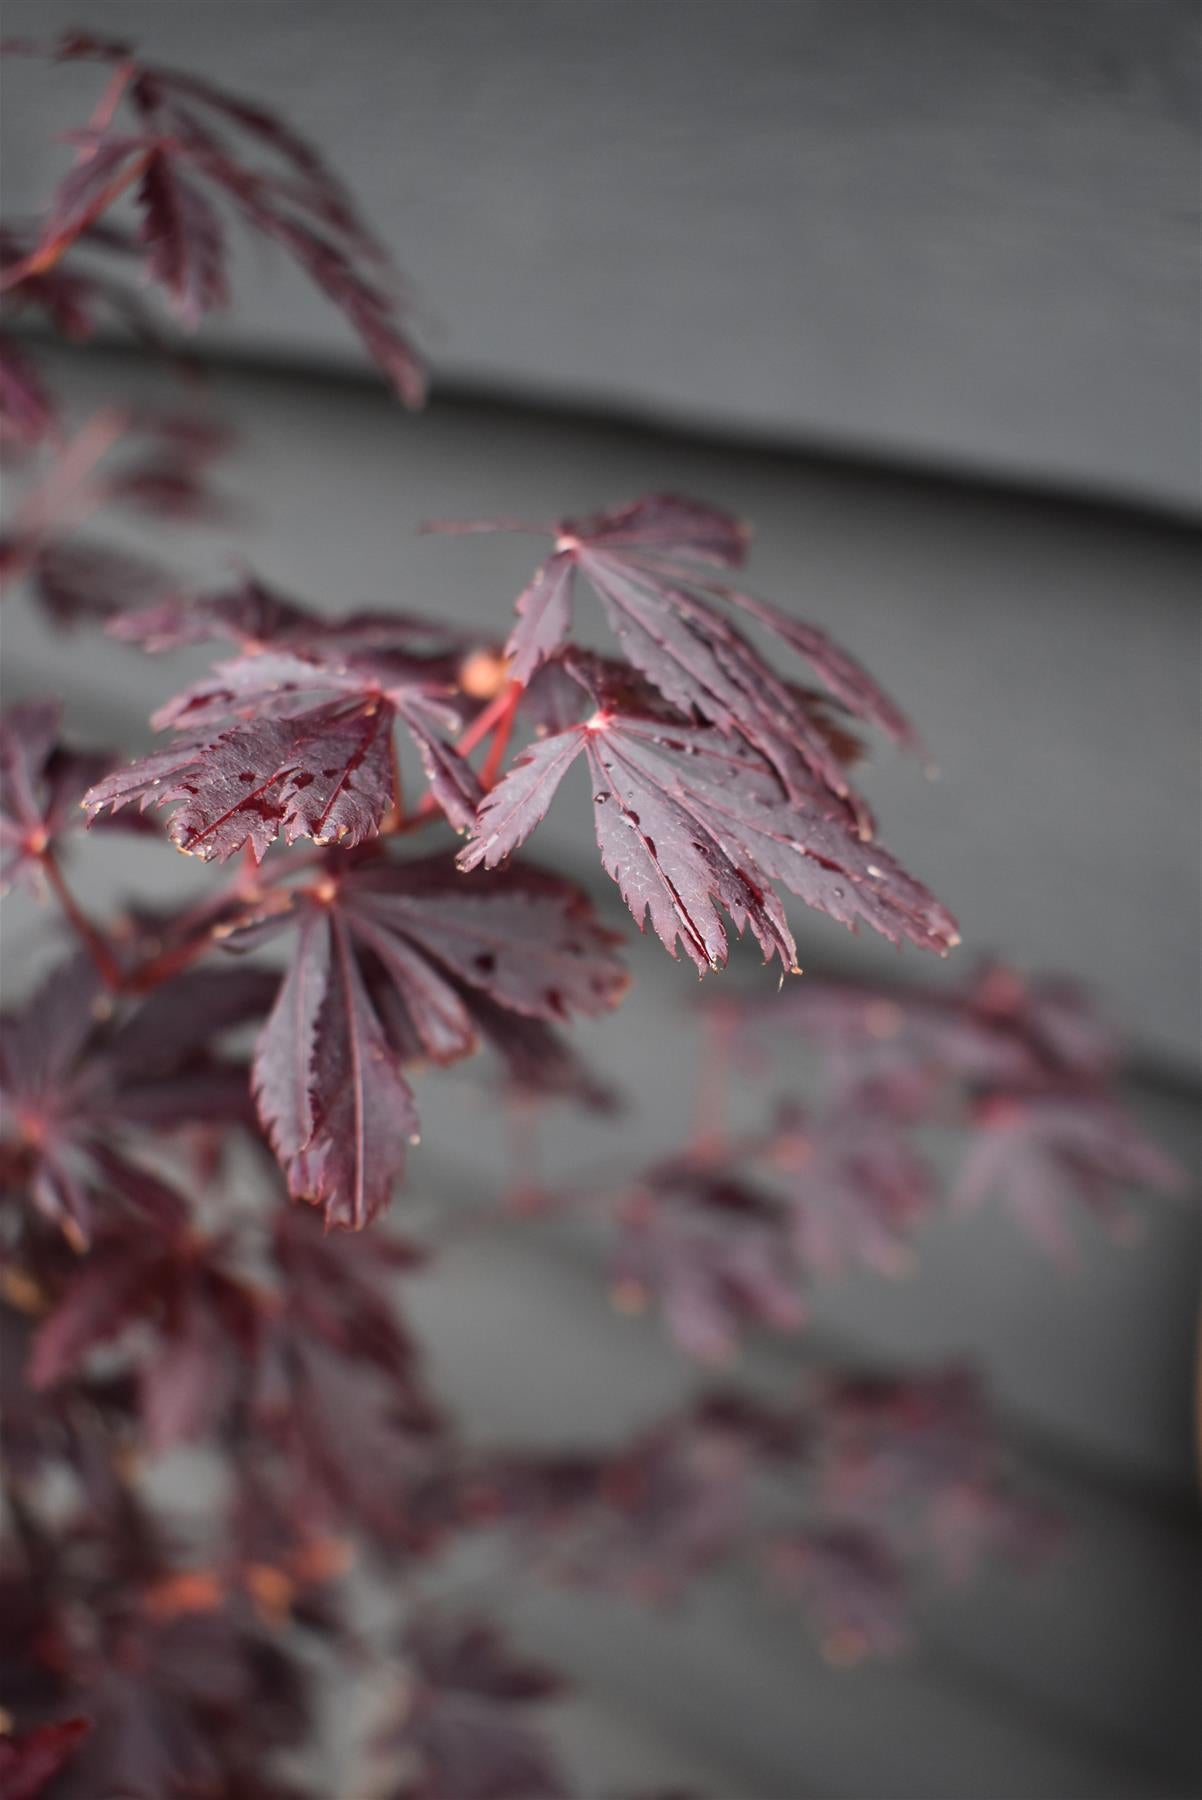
pixel 920 1455
pixel 650 565
pixel 41 785
pixel 26 410
pixel 79 1088
pixel 281 744
pixel 1049 1155
pixel 331 1090
pixel 188 145
pixel 30 1761
pixel 850 1583
pixel 206 1322
pixel 465 1733
pixel 82 580
pixel 1025 1069
pixel 718 1253
pixel 692 824
pixel 183 236
pixel 648 1518
pixel 392 962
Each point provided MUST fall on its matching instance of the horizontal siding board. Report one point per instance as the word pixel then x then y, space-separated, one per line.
pixel 963 233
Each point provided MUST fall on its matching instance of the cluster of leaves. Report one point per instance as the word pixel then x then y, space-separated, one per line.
pixel 184 1077
pixel 183 148
pixel 1009 1084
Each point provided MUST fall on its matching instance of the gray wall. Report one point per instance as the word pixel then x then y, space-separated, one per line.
pixel 958 231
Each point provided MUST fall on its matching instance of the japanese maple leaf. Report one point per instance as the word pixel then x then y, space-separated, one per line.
pixel 465 1733
pixel 72 301
pixel 538 1061
pixel 1049 1153
pixel 649 1517
pixel 356 1448
pixel 851 1583
pixel 337 1389
pixel 183 1690
pixel 163 465
pixel 205 1324
pixel 387 960
pixel 27 413
pixel 997 1030
pixel 83 581
pixel 184 240
pixel 184 144
pixel 254 614
pixel 156 463
pixel 41 785
pixel 717 1253
pixel 692 824
pixel 31 1760
pixel 79 1089
pixel 859 1188
pixel 920 1455
pixel 341 1288
pixel 280 744
pixel 651 564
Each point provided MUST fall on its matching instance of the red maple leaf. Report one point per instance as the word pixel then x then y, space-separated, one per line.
pixel 187 145
pixel 651 565
pixel 464 1733
pixel 718 1254
pixel 31 1760
pixel 692 823
pixel 41 786
pixel 281 743
pixel 388 960
pixel 80 1088
pixel 851 1583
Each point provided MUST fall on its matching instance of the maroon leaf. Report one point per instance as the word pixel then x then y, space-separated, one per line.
pixel 647 1518
pixel 41 784
pixel 649 565
pixel 96 174
pixel 108 1292
pixel 30 1761
pixel 692 824
pixel 850 1582
pixel 85 581
pixel 719 1254
pixel 464 1734
pixel 388 960
pixel 256 616
pixel 362 1112
pixel 1024 1067
pixel 921 1455
pixel 27 413
pixel 78 1088
pixel 251 613
pixel 860 1190
pixel 1046 1155
pixel 183 140
pixel 184 240
pixel 291 745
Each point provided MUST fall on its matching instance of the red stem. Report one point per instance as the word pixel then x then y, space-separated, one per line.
pixel 501 735
pixel 65 478
pixel 93 940
pixel 110 100
pixel 713 1084
pixel 493 714
pixel 39 261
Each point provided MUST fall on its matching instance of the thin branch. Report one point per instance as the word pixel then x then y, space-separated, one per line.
pixel 89 935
